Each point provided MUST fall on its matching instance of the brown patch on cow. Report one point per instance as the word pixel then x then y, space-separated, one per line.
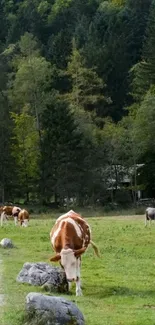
pixel 23 215
pixel 68 237
pixel 8 210
pixel 80 251
pixel 55 258
pixel 1 209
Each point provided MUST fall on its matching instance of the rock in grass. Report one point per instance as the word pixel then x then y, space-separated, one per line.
pixel 6 243
pixel 47 310
pixel 42 274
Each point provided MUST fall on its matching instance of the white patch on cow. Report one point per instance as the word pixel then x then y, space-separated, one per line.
pixel 78 264
pixel 25 223
pixel 16 220
pixel 3 218
pixel 71 265
pixel 85 240
pixel 68 261
pixel 70 220
pixel 78 288
pixel 69 285
pixel 69 213
pixel 15 210
pixel 56 232
pixel 78 282
pixel 76 226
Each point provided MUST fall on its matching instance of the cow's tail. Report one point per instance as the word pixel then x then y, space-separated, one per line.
pixel 95 248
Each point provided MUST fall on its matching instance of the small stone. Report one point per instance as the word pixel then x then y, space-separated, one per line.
pixel 52 310
pixel 6 243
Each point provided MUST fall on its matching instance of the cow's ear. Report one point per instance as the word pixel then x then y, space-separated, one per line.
pixel 80 251
pixel 55 258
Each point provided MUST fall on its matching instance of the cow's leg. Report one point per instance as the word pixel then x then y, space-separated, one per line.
pixel 25 223
pixel 78 282
pixel 69 285
pixel 2 218
pixel 150 221
pixel 16 220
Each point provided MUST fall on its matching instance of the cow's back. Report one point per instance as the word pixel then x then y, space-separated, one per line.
pixel 15 211
pixel 150 213
pixel 70 231
pixel 23 215
pixel 8 209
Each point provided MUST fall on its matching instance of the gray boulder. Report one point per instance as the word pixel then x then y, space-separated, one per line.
pixel 47 310
pixel 6 243
pixel 51 278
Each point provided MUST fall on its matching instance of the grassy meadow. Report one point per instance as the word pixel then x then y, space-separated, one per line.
pixel 118 287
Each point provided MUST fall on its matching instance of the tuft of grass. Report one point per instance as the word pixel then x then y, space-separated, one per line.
pixel 118 287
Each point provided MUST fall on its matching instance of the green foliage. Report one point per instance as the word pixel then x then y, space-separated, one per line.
pixel 145 122
pixel 87 87
pixel 60 5
pixel 61 145
pixel 26 150
pixel 97 57
pixel 32 76
pixel 7 166
pixel 143 71
pixel 28 45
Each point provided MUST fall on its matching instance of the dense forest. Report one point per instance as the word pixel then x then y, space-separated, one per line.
pixel 77 100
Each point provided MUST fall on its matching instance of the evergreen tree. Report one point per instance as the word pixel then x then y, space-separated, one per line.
pixel 31 81
pixel 144 71
pixel 144 135
pixel 87 88
pixel 61 152
pixel 25 152
pixel 7 167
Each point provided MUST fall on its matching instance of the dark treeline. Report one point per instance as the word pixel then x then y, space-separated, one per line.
pixel 77 100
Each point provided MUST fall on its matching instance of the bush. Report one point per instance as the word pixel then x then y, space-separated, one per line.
pixel 123 197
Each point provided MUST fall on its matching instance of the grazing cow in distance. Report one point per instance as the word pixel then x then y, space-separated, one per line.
pixel 70 238
pixel 23 217
pixel 8 210
pixel 149 215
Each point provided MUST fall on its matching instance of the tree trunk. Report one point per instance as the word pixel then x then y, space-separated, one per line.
pixel 27 196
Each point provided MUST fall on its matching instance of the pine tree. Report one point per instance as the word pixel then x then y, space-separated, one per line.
pixel 87 88
pixel 144 71
pixel 61 152
pixel 7 166
pixel 25 152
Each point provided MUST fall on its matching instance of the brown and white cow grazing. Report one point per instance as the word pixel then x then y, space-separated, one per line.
pixel 70 237
pixel 23 218
pixel 10 211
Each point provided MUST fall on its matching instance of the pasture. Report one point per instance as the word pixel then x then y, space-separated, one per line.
pixel 118 287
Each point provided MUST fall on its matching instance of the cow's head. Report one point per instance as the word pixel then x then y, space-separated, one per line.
pixel 68 259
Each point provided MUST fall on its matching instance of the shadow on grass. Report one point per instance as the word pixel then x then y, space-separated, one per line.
pixel 104 292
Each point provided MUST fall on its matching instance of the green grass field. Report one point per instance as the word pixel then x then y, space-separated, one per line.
pixel 118 287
